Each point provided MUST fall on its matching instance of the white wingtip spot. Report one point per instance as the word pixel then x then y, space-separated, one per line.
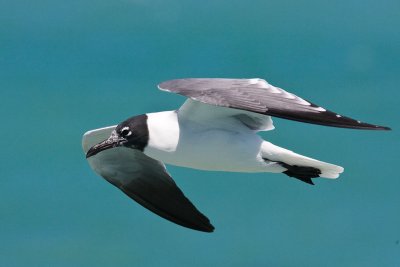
pixel 320 109
pixel 338 116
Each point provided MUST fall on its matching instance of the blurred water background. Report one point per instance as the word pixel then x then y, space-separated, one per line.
pixel 70 66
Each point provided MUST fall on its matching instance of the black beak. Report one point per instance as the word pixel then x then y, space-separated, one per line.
pixel 106 144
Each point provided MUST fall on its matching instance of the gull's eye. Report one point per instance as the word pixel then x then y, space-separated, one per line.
pixel 125 132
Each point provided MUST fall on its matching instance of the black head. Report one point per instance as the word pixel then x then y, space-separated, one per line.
pixel 132 133
pixel 135 132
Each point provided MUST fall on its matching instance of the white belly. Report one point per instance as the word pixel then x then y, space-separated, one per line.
pixel 193 146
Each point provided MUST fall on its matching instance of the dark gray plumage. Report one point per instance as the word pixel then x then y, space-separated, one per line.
pixel 146 181
pixel 256 95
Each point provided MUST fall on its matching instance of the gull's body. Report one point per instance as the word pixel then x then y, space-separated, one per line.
pixel 187 144
pixel 215 129
pixel 230 146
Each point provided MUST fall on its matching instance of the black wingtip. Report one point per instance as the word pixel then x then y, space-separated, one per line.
pixel 384 128
pixel 201 225
pixel 368 126
pixel 207 228
pixel 204 226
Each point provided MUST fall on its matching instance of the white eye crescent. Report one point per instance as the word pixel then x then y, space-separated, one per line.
pixel 125 132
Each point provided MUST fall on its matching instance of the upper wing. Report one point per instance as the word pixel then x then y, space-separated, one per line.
pixel 146 181
pixel 256 95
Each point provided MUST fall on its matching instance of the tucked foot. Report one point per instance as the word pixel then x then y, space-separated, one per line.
pixel 301 172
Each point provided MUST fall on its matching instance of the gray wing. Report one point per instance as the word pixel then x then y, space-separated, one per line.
pixel 256 95
pixel 146 181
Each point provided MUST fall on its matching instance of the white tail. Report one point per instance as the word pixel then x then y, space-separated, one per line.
pixel 279 154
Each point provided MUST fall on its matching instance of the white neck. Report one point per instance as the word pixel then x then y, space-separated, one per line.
pixel 163 132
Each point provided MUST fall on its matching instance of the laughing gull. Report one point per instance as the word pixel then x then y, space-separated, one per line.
pixel 215 129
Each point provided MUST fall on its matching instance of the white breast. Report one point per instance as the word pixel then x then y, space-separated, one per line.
pixel 188 144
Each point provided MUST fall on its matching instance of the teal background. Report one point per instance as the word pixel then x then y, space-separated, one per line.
pixel 70 66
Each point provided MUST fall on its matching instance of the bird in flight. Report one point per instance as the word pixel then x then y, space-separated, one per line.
pixel 215 129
